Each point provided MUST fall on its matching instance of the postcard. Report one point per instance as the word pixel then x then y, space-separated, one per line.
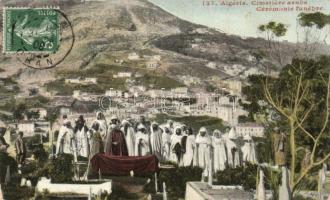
pixel 164 99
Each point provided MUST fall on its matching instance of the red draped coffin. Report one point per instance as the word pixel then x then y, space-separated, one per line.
pixel 122 165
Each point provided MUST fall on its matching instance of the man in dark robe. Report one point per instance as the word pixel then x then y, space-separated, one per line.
pixel 142 120
pixel 115 143
pixel 3 144
pixel 20 149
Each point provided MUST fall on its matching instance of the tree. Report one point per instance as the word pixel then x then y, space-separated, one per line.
pixel 298 100
pixel 33 114
pixel 19 111
pixel 313 29
pixel 295 98
pixel 274 31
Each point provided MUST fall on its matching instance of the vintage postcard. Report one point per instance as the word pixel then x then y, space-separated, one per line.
pixel 165 100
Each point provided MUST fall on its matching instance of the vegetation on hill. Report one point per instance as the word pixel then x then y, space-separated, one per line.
pixel 104 74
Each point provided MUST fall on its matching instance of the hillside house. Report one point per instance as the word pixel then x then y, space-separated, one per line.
pixel 252 129
pixel 123 75
pixel 83 81
pixel 152 65
pixel 133 56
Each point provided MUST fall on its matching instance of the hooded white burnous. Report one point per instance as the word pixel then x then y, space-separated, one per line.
pixel 156 140
pixel 103 127
pixel 142 141
pixel 188 156
pixel 176 146
pixel 129 133
pixel 166 143
pixel 202 147
pixel 232 149
pixel 219 150
pixel 65 143
pixel 82 143
pixel 248 150
pixel 82 138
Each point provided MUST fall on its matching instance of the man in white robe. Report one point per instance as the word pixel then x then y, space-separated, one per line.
pixel 219 151
pixel 203 143
pixel 166 143
pixel 129 133
pixel 82 137
pixel 169 124
pixel 176 146
pixel 190 144
pixel 232 149
pixel 248 150
pixel 156 140
pixel 65 141
pixel 142 141
pixel 103 127
pixel 142 121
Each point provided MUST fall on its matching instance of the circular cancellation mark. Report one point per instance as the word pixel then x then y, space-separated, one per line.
pixel 47 60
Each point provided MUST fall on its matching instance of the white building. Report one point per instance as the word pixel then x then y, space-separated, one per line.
pixel 180 90
pixel 84 81
pixel 113 93
pixel 156 57
pixel 29 128
pixel 211 65
pixel 252 71
pixel 42 112
pixel 65 110
pixel 190 80
pixel 153 64
pixel 133 56
pixel 123 75
pixel 227 113
pixel 252 129
pixel 234 86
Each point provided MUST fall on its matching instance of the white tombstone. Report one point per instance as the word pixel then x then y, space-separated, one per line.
pixel 28 183
pixel 261 193
pixel 23 182
pixel 1 194
pixel 322 179
pixel 284 190
pixel 164 191
pixel 86 189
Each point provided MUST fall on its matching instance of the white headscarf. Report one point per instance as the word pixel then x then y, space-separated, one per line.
pixel 203 139
pixel 232 134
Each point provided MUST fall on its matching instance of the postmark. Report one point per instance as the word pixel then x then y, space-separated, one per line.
pixel 31 30
pixel 35 36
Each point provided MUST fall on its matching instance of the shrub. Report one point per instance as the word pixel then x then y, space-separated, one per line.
pixel 6 160
pixel 177 178
pixel 61 169
pixel 244 175
pixel 39 153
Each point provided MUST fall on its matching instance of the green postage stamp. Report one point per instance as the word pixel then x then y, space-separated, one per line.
pixel 30 30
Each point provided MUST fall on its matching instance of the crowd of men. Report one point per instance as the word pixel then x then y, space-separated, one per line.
pixel 172 141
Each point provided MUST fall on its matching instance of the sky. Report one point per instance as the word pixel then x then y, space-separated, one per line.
pixel 238 20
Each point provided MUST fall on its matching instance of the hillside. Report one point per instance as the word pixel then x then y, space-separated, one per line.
pixel 108 32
